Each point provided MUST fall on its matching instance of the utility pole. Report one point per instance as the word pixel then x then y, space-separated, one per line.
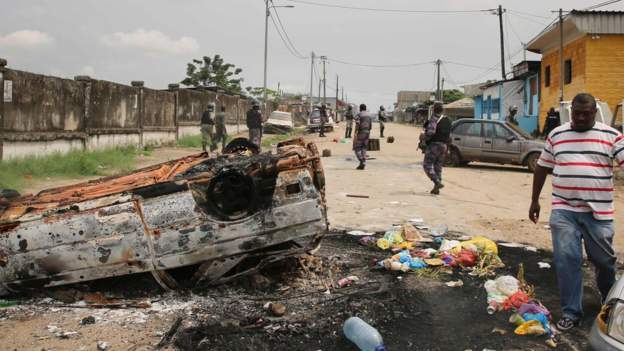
pixel 442 91
pixel 311 79
pixel 266 48
pixel 324 59
pixel 561 68
pixel 319 90
pixel 502 41
pixel 342 94
pixel 337 90
pixel 438 62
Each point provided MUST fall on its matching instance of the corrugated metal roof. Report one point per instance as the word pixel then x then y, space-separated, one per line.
pixel 585 22
pixel 599 22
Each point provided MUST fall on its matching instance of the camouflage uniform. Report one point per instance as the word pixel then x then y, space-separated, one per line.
pixel 254 123
pixel 349 118
pixel 362 127
pixel 435 152
pixel 206 129
pixel 220 131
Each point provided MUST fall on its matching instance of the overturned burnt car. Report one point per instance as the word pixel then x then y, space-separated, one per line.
pixel 206 213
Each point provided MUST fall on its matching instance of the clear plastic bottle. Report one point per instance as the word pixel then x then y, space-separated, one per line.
pixel 363 335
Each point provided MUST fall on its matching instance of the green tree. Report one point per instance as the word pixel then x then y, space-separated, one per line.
pixel 452 95
pixel 207 72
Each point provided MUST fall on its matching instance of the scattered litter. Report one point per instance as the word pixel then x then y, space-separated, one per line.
pixel 359 233
pixel 417 221
pixel 358 196
pixel 409 233
pixel 102 345
pixel 551 343
pixel 363 335
pixel 60 333
pixel 369 241
pixel 499 290
pixel 87 320
pixel 439 230
pixel 531 248
pixel 7 303
pixel 455 284
pixel 543 265
pixel 326 153
pixel 278 309
pixel 499 331
pixel 511 245
pixel 347 281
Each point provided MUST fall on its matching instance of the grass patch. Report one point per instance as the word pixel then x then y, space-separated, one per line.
pixel 195 141
pixel 17 173
pixel 277 138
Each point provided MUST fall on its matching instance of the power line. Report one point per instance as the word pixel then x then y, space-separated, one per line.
pixel 380 66
pixel 527 18
pixel 464 64
pixel 284 40
pixel 609 2
pixel 287 36
pixel 513 29
pixel 388 10
pixel 530 14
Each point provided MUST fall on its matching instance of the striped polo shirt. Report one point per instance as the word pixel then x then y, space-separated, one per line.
pixel 582 164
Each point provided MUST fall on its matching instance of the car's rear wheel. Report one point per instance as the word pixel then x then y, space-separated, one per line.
pixel 453 158
pixel 531 161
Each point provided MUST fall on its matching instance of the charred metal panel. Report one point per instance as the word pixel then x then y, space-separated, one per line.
pixel 171 215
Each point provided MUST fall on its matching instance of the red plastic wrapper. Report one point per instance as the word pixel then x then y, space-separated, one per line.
pixel 465 258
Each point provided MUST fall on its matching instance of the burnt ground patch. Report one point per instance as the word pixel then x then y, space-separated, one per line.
pixel 410 311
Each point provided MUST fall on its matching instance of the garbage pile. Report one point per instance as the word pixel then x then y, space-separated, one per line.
pixel 478 255
pixel 507 293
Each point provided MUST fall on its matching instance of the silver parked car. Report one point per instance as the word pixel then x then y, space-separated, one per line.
pixel 607 333
pixel 492 141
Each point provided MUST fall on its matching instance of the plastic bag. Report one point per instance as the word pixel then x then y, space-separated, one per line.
pixel 532 327
pixel 482 245
pixel 409 233
pixel 507 285
pixel 448 245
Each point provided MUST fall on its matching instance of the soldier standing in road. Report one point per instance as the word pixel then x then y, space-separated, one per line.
pixel 220 130
pixel 437 137
pixel 552 121
pixel 349 119
pixel 363 123
pixel 254 124
pixel 382 120
pixel 323 120
pixel 206 126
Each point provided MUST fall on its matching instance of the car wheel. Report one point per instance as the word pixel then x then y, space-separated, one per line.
pixel 454 159
pixel 531 161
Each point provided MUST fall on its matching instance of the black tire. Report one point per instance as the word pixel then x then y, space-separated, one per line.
pixel 454 159
pixel 531 161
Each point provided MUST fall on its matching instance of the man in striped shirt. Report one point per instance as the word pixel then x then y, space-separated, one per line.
pixel 580 155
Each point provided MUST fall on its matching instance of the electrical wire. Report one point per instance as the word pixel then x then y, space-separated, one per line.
pixel 609 2
pixel 465 64
pixel 294 48
pixel 379 66
pixel 530 14
pixel 284 40
pixel 513 30
pixel 313 3
pixel 506 24
pixel 527 18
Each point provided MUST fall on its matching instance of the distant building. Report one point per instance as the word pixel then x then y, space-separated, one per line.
pixel 592 53
pixel 521 91
pixel 406 98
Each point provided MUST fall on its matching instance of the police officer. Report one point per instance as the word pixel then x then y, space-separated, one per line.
pixel 349 119
pixel 323 120
pixel 552 121
pixel 513 111
pixel 220 130
pixel 207 123
pixel 363 124
pixel 382 120
pixel 437 136
pixel 254 124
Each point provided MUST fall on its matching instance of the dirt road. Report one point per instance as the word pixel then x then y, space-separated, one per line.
pixel 480 199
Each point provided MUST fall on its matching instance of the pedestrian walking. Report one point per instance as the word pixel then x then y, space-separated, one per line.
pixel 324 120
pixel 437 137
pixel 349 119
pixel 220 130
pixel 579 154
pixel 382 120
pixel 552 121
pixel 207 123
pixel 363 123
pixel 254 124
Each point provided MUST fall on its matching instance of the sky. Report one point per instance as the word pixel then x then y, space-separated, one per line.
pixel 153 40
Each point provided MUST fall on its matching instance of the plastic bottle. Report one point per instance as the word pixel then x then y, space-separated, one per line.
pixel 363 335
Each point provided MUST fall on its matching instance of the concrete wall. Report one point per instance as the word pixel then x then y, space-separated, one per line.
pixel 40 115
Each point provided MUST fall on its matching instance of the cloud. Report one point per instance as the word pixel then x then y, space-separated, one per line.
pixel 152 41
pixel 26 39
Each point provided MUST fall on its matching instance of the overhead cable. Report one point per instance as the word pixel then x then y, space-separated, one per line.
pixel 379 66
pixel 609 2
pixel 284 40
pixel 375 9
pixel 294 48
pixel 532 15
pixel 526 18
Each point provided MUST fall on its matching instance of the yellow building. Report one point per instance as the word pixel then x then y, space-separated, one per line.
pixel 593 55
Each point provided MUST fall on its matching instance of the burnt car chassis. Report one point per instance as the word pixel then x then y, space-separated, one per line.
pixel 195 211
